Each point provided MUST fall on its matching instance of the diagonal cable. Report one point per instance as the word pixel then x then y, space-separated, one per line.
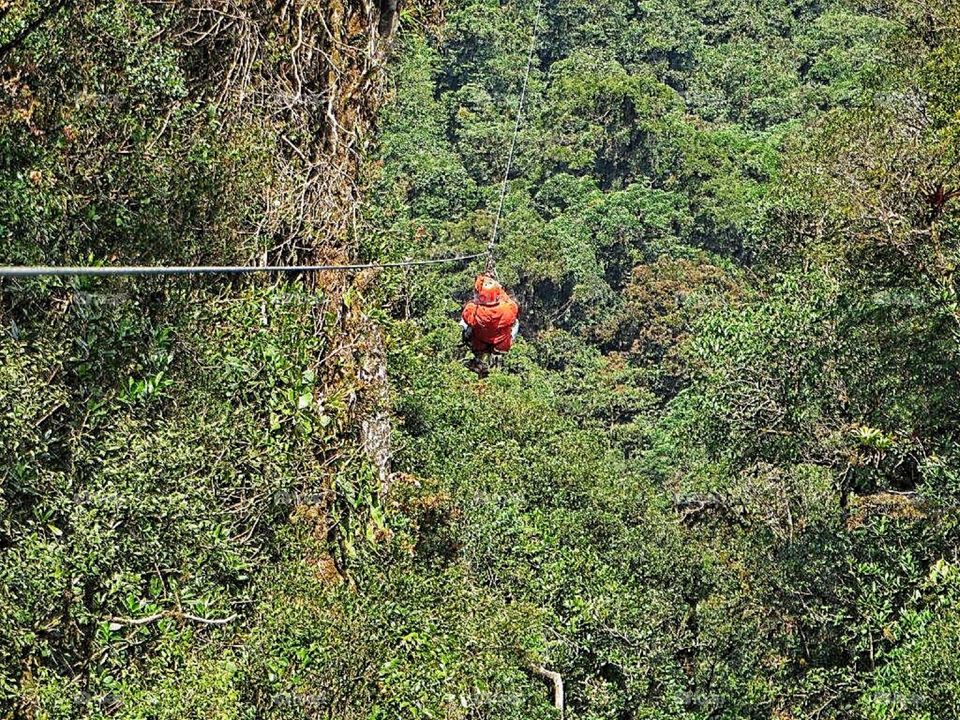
pixel 489 269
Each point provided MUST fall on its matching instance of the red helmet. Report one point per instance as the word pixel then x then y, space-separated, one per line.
pixel 488 290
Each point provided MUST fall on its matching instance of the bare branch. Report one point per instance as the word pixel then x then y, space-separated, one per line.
pixel 556 681
pixel 172 614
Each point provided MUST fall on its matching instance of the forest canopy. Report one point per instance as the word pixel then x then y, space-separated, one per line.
pixel 718 476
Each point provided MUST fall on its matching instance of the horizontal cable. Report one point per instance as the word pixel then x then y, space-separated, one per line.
pixel 26 271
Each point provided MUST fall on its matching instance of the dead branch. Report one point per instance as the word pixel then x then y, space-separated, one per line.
pixel 556 683
pixel 172 614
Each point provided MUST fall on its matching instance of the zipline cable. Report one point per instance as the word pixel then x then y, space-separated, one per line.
pixel 20 271
pixel 489 269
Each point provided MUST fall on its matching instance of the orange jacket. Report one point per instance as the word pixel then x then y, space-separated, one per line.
pixel 492 324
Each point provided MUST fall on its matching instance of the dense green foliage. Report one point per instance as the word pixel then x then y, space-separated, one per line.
pixel 720 474
pixel 169 444
pixel 718 477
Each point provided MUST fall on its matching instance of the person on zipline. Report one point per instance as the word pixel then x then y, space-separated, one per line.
pixel 489 323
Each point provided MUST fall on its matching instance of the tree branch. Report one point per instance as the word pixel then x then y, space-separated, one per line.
pixel 52 10
pixel 174 614
pixel 555 680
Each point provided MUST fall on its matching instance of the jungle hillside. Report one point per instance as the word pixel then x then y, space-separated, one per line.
pixel 716 477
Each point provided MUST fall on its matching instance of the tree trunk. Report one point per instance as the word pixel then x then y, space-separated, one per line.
pixel 389 17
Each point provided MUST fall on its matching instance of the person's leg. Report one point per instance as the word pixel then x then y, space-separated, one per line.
pixel 482 367
pixel 481 355
pixel 479 364
pixel 515 330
